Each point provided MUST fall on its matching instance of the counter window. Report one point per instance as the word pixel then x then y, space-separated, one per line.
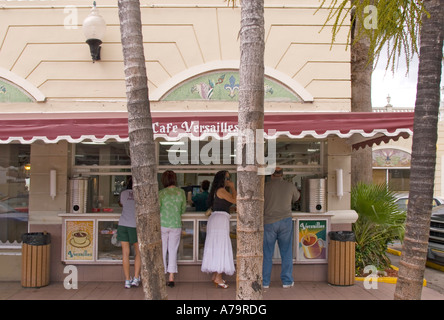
pixel 105 166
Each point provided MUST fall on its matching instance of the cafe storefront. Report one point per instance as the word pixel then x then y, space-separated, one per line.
pixel 64 155
pixel 91 162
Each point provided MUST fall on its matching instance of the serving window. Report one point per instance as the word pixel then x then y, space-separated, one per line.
pixel 105 167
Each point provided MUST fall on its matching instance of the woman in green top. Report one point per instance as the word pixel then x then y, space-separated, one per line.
pixel 172 203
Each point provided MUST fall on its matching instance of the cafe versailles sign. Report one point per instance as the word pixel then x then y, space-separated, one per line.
pixel 194 127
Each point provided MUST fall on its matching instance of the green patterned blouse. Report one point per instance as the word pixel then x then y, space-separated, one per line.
pixel 172 205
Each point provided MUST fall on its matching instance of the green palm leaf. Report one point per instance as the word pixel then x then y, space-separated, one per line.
pixel 379 223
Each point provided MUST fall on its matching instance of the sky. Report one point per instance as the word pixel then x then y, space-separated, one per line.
pixel 399 85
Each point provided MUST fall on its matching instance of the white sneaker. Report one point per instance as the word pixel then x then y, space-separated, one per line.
pixel 127 284
pixel 135 282
pixel 265 287
pixel 286 286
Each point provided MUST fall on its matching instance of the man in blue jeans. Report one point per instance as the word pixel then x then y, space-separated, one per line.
pixel 278 226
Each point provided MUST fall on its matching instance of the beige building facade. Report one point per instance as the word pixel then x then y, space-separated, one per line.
pixel 48 80
pixel 391 160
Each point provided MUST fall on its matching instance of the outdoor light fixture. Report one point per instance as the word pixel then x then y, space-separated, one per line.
pixel 94 27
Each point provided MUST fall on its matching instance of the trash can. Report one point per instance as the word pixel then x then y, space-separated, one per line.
pixel 36 249
pixel 341 258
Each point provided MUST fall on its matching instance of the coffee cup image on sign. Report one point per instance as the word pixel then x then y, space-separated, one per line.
pixel 312 245
pixel 80 239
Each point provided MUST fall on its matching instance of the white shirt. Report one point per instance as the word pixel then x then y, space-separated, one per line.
pixel 128 217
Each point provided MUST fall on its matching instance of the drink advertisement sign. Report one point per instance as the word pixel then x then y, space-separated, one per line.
pixel 311 240
pixel 79 241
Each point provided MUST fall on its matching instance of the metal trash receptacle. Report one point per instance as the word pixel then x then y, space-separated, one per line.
pixel 341 258
pixel 36 254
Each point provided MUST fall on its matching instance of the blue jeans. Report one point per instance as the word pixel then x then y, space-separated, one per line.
pixel 282 231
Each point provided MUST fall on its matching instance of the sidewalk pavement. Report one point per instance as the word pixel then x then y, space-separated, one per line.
pixel 186 291
pixel 206 291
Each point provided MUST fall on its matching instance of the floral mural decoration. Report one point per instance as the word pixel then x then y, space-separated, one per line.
pixel 224 86
pixel 11 93
pixel 389 157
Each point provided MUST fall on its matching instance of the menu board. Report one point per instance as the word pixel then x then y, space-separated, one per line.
pixel 79 240
pixel 311 240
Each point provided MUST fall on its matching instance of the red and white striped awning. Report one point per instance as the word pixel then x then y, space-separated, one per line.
pixel 361 128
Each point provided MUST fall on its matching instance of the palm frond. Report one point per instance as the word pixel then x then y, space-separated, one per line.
pixel 379 222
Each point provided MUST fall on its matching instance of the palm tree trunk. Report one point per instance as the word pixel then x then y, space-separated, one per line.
pixel 142 150
pixel 361 78
pixel 414 250
pixel 250 184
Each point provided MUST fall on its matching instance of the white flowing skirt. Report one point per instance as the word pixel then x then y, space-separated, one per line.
pixel 218 252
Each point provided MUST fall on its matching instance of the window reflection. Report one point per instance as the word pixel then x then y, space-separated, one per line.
pixel 191 152
pixel 110 153
pixel 15 169
pixel 108 248
pixel 102 193
pixel 186 247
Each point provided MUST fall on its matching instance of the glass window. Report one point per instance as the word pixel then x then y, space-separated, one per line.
pixel 108 248
pixel 186 247
pixel 399 179
pixel 102 193
pixel 190 152
pixel 298 153
pixel 15 169
pixel 213 151
pixel 202 225
pixel 110 153
pixel 105 165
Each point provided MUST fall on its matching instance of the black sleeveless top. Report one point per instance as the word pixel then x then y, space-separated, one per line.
pixel 221 204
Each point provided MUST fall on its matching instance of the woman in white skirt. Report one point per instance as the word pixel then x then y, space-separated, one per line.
pixel 218 252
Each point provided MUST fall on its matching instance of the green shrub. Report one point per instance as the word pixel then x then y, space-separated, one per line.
pixel 379 222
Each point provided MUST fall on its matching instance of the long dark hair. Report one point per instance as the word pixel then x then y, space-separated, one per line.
pixel 129 184
pixel 169 178
pixel 218 182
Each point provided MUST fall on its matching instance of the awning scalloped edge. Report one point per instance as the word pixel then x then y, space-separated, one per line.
pixel 405 133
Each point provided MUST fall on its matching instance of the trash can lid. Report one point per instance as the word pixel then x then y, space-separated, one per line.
pixel 342 235
pixel 36 238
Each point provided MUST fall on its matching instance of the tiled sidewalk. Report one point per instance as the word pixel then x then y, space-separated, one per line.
pixel 204 291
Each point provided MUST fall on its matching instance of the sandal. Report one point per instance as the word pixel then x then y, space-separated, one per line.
pixel 222 284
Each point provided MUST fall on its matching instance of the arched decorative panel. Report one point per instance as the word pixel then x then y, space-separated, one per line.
pixel 224 85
